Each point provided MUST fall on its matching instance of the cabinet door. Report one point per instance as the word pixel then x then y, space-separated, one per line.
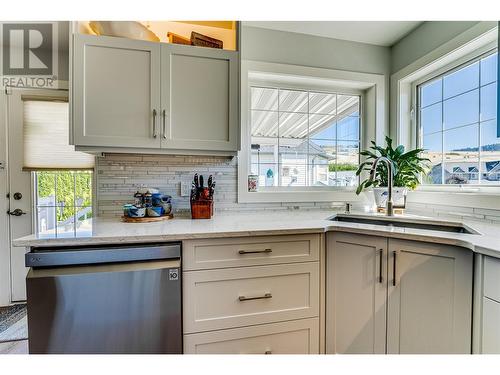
pixel 491 327
pixel 429 298
pixel 356 278
pixel 116 89
pixel 199 98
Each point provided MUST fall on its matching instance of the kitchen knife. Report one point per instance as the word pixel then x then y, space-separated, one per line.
pixel 212 189
pixel 196 180
pixel 201 181
pixel 210 181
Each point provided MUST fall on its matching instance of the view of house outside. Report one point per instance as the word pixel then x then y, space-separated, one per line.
pixel 304 138
pixel 458 125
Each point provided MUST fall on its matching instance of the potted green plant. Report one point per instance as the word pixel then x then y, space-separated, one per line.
pixel 407 168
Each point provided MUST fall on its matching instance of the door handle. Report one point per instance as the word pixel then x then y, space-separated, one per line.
pixel 164 114
pixel 154 124
pixel 16 212
pixel 394 268
pixel 381 253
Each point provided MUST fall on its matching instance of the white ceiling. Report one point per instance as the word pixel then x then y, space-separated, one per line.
pixel 380 33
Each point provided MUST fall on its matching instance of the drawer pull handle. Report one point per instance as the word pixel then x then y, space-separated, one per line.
pixel 268 352
pixel 265 296
pixel 266 251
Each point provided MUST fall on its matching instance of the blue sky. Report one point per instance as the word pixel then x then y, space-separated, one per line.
pixel 463 105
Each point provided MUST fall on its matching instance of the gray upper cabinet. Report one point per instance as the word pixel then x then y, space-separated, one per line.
pixel 200 98
pixel 129 94
pixel 115 92
pixel 429 298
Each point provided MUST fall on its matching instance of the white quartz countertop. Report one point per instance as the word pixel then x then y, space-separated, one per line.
pixel 112 231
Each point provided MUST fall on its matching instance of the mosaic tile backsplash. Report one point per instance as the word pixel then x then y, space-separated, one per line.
pixel 120 175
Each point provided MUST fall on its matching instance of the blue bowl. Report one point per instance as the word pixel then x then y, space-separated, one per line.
pixel 155 211
pixel 136 211
pixel 156 198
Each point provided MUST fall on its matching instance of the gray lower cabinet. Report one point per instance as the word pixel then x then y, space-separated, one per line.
pixel 130 94
pixel 396 296
pixel 487 305
pixel 429 308
pixel 356 290
pixel 491 326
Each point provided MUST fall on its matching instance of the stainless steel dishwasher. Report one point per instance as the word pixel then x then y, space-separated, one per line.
pixel 105 299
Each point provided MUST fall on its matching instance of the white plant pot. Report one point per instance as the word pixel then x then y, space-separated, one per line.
pixel 398 196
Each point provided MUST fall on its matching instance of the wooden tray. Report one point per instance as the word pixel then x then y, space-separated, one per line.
pixel 146 219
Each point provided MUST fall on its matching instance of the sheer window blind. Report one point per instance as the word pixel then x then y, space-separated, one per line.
pixel 46 138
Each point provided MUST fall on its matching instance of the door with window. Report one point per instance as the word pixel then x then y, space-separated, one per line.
pixel 49 185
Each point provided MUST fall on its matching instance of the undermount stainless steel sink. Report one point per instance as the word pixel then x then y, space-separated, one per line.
pixel 405 222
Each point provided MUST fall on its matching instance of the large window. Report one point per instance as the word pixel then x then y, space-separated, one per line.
pixel 304 138
pixel 458 126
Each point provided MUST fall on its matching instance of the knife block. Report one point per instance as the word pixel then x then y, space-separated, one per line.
pixel 202 209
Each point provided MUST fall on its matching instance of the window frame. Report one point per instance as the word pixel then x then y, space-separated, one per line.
pixel 332 91
pixel 459 63
pixel 373 110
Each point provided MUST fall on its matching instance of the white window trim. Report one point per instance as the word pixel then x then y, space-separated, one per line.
pixel 456 65
pixel 373 112
pixel 481 38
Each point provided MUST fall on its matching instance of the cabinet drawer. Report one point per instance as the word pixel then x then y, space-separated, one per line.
pixel 294 337
pixel 237 252
pixel 236 297
pixel 492 278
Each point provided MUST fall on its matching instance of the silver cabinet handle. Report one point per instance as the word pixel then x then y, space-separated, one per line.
pixel 380 266
pixel 164 130
pixel 394 268
pixel 154 124
pixel 265 296
pixel 267 251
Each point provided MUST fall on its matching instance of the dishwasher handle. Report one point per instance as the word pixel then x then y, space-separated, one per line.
pixel 98 255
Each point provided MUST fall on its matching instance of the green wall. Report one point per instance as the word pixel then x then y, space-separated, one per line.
pixel 314 51
pixel 424 39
